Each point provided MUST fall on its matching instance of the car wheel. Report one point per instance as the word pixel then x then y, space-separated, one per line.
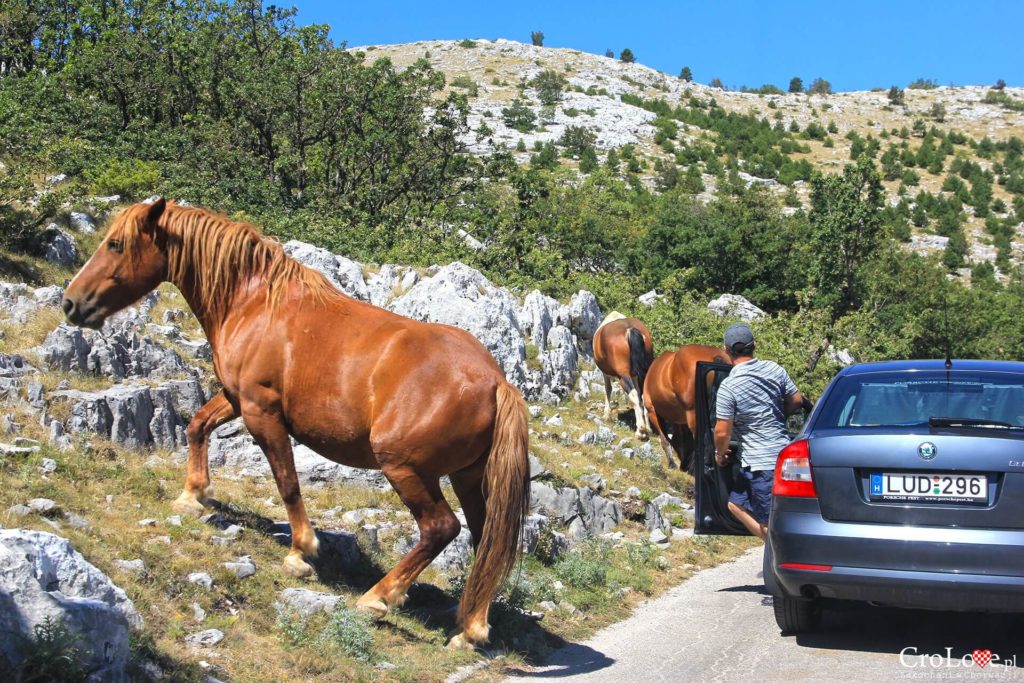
pixel 797 615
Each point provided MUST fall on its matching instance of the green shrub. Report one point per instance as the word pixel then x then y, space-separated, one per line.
pixel 132 178
pixel 549 85
pixel 585 570
pixel 468 84
pixel 519 116
pixel 350 631
pixel 466 42
pixel 52 655
pixel 577 139
pixel 923 84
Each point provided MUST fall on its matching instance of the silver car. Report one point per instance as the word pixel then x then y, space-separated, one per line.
pixel 905 488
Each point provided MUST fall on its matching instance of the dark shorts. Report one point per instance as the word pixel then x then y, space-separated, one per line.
pixel 753 493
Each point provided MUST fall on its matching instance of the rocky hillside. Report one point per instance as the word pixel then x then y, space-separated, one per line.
pixel 607 97
pixel 92 453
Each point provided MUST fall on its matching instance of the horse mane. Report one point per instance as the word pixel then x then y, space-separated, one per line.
pixel 221 254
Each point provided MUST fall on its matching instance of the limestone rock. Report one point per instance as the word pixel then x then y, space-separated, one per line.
pixel 735 306
pixel 42 576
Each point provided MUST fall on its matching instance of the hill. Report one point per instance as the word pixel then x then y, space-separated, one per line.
pixel 615 101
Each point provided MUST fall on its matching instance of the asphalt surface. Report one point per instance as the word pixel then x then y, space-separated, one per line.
pixel 719 626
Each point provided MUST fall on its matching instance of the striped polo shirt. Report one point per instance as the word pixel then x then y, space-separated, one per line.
pixel 752 397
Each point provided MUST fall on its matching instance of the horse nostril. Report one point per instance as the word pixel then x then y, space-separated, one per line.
pixel 68 305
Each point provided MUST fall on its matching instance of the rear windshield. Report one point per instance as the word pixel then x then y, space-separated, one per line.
pixel 913 398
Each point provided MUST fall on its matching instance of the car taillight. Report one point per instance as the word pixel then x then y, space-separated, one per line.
pixel 793 472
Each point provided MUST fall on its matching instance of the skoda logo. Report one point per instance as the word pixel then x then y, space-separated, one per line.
pixel 927 450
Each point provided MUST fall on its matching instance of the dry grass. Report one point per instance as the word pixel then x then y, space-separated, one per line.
pixel 412 638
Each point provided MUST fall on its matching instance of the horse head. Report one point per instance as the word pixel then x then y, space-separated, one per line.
pixel 129 263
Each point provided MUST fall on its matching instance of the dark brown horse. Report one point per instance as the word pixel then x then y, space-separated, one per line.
pixel 357 384
pixel 622 349
pixel 670 398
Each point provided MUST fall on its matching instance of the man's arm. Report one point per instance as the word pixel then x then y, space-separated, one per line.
pixel 723 433
pixel 793 403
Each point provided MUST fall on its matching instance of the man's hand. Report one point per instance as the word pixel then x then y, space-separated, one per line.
pixel 723 433
pixel 723 458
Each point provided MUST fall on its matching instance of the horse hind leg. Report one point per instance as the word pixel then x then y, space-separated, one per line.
pixel 438 526
pixel 638 410
pixel 659 429
pixel 216 412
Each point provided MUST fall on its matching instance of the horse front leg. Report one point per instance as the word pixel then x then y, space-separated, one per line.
pixel 216 412
pixel 268 428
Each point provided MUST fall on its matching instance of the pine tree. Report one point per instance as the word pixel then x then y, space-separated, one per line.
pixel 627 56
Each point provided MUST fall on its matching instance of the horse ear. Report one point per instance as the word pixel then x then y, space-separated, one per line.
pixel 153 213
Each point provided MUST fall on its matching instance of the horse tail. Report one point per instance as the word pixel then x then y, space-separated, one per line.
pixel 639 359
pixel 507 493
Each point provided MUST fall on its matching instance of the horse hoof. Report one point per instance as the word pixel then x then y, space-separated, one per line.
pixel 460 642
pixel 376 608
pixel 187 504
pixel 296 567
pixel 642 436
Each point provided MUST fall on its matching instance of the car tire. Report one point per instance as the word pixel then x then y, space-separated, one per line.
pixel 797 615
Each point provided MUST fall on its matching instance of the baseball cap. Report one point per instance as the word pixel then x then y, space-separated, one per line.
pixel 738 337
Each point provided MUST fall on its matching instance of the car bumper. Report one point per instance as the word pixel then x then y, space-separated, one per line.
pixel 929 568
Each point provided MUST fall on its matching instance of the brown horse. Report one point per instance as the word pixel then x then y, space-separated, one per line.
pixel 357 384
pixel 670 397
pixel 623 349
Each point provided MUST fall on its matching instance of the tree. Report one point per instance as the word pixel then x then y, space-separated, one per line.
pixel 1000 85
pixel 577 139
pixel 538 38
pixel 609 54
pixel 819 86
pixel 685 74
pixel 845 232
pixel 549 85
pixel 896 97
pixel 519 116
pixel 938 112
pixel 796 85
pixel 627 56
pixel 717 83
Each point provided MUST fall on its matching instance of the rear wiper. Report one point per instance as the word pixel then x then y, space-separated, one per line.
pixel 970 422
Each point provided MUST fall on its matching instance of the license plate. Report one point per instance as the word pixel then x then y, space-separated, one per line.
pixel 929 488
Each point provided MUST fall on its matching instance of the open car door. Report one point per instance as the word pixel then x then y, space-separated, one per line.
pixel 711 482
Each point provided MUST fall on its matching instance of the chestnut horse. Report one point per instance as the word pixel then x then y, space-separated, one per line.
pixel 670 397
pixel 623 349
pixel 355 383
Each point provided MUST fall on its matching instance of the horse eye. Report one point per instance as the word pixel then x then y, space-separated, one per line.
pixel 114 245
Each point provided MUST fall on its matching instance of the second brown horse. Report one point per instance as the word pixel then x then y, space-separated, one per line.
pixel 623 350
pixel 670 398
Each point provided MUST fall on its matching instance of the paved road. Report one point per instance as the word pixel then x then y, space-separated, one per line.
pixel 718 626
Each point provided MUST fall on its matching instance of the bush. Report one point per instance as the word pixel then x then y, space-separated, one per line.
pixel 627 56
pixel 923 84
pixel 350 631
pixel 519 116
pixel 537 38
pixel 796 85
pixel 896 97
pixel 582 570
pixel 132 179
pixel 52 655
pixel 468 84
pixel 466 42
pixel 686 74
pixel 717 83
pixel 938 112
pixel 549 85
pixel 819 86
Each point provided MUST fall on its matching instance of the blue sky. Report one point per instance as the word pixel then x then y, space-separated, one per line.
pixel 856 45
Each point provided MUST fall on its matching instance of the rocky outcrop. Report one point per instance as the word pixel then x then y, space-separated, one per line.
pixel 113 354
pixel 345 274
pixel 42 577
pixel 57 246
pixel 580 509
pixel 135 415
pixel 736 307
pixel 461 296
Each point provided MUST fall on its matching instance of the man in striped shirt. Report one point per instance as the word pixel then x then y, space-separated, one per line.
pixel 753 402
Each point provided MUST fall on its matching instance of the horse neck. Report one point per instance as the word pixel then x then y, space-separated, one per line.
pixel 192 286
